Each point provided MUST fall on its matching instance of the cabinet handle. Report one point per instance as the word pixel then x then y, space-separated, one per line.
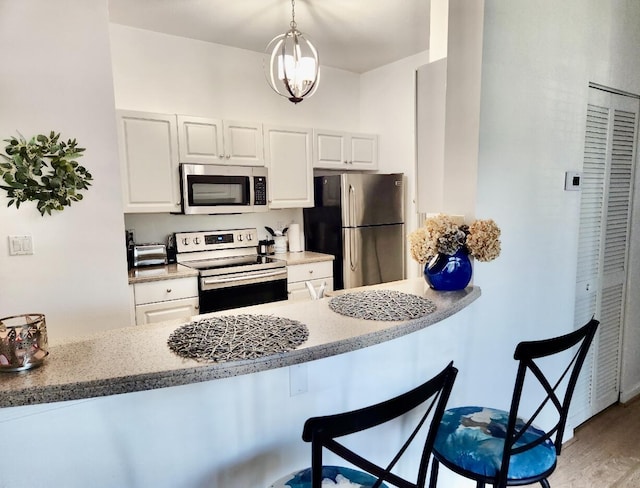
pixel 310 271
pixel 228 156
pixel 168 290
pixel 221 156
pixel 197 307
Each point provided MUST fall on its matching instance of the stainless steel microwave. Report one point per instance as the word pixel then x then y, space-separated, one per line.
pixel 216 189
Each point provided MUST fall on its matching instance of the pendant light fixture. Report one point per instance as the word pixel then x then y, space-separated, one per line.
pixel 293 70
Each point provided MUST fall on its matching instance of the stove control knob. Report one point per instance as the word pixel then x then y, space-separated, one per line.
pixel 196 240
pixel 185 241
pixel 240 239
pixel 249 237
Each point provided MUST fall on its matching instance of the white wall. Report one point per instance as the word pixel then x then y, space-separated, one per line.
pixel 169 74
pixel 55 74
pixel 535 74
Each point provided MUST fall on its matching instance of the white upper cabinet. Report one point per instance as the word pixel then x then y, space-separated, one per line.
pixel 201 140
pixel 214 141
pixel 148 145
pixel 345 151
pixel 363 151
pixel 288 152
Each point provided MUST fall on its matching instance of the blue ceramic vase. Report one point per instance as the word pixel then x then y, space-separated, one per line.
pixel 447 273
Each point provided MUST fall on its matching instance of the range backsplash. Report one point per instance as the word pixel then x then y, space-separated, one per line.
pixel 149 228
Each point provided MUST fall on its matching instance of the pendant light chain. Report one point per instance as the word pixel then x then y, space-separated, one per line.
pixel 293 24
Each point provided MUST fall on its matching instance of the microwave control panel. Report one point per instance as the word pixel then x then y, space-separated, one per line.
pixel 259 190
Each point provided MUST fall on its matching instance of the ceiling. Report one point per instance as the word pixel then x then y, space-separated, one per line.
pixel 355 35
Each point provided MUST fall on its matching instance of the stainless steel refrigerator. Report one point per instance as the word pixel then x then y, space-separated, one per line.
pixel 359 218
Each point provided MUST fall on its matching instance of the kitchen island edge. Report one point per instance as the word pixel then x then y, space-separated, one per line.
pixel 137 358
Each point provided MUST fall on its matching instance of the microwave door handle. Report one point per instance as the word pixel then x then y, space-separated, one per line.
pixel 251 191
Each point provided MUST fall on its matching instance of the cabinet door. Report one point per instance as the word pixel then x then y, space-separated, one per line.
pixel 173 309
pixel 243 143
pixel 165 290
pixel 345 151
pixel 310 271
pixel 329 150
pixel 148 146
pixel 288 156
pixel 298 291
pixel 200 140
pixel 363 151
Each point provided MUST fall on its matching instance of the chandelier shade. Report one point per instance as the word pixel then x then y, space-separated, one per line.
pixel 293 67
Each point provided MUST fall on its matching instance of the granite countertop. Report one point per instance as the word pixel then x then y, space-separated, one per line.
pixel 157 273
pixel 304 257
pixel 137 358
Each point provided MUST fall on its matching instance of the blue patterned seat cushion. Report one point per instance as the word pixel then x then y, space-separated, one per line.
pixel 473 439
pixel 332 476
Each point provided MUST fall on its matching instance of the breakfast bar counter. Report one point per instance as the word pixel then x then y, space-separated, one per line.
pixel 138 358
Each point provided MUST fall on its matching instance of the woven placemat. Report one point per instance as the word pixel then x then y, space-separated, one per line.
pixel 236 337
pixel 381 305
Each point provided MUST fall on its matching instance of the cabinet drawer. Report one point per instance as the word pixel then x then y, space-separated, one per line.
pixel 310 271
pixel 298 291
pixel 159 291
pixel 150 313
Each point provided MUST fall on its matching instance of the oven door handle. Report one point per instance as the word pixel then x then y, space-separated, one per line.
pixel 244 277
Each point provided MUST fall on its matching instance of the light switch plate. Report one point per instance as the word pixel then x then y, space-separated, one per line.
pixel 20 245
pixel 573 180
pixel 298 379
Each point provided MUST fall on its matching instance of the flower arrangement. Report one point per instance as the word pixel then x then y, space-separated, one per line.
pixel 442 235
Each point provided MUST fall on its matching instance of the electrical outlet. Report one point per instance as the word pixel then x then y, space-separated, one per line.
pixel 20 245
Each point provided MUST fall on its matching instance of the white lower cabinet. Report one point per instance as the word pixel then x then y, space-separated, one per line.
pixel 171 309
pixel 165 300
pixel 316 273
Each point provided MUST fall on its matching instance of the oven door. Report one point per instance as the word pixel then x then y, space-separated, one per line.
pixel 242 289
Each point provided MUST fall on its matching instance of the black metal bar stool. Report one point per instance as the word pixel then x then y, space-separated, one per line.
pixel 322 432
pixel 498 447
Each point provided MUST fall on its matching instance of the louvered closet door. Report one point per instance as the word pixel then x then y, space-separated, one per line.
pixel 605 216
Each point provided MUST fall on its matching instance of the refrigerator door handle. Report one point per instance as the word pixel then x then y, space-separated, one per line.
pixel 352 206
pixel 353 251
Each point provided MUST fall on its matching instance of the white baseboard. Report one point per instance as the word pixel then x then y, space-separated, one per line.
pixel 628 395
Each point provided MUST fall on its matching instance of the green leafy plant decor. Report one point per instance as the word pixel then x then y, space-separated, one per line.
pixel 44 170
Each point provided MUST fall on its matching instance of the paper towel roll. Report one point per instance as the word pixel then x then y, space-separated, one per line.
pixel 294 238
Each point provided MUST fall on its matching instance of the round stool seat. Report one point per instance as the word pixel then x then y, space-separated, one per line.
pixel 471 439
pixel 332 476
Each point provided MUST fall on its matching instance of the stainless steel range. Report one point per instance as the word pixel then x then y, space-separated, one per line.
pixel 232 273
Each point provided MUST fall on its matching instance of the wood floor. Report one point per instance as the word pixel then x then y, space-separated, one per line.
pixel 604 453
